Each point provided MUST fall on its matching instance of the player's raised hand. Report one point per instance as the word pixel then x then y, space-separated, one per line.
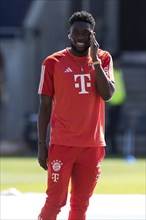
pixel 94 46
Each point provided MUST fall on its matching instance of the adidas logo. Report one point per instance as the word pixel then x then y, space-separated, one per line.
pixel 68 70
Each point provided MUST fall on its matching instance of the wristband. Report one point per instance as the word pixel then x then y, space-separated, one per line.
pixel 97 62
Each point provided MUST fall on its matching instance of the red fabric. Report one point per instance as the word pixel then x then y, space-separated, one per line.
pixel 83 166
pixel 78 110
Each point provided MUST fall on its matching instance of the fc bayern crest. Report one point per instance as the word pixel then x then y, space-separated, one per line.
pixel 56 165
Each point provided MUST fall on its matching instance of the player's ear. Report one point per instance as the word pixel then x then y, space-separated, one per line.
pixel 69 35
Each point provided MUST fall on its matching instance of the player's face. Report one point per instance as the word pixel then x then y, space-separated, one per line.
pixel 80 37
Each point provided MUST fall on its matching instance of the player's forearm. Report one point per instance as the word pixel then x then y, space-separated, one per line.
pixel 43 121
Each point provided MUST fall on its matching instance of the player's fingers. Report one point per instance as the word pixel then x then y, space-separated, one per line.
pixel 95 42
pixel 43 164
pixel 91 40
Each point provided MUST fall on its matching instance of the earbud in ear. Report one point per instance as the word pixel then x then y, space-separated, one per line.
pixel 69 36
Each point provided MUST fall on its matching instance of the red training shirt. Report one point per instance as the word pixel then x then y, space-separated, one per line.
pixel 78 109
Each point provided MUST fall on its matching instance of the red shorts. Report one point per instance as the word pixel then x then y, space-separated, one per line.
pixel 82 166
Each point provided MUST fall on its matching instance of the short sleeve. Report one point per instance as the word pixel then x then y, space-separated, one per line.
pixel 46 84
pixel 108 67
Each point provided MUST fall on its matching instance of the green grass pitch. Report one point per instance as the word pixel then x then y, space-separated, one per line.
pixel 117 176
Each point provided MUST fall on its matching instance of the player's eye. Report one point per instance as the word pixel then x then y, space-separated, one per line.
pixel 75 32
pixel 86 33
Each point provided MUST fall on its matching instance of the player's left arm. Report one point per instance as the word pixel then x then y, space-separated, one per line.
pixel 105 86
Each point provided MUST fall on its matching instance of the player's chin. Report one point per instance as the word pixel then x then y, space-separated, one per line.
pixel 82 49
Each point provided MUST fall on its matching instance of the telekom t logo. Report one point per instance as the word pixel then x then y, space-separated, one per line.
pixel 82 83
pixel 55 177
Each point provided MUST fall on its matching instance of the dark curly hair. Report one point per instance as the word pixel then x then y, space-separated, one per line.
pixel 82 16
